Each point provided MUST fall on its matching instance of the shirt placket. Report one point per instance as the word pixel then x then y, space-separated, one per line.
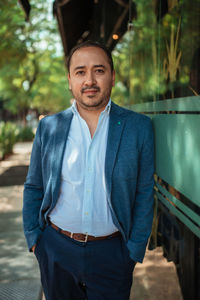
pixel 88 194
pixel 89 181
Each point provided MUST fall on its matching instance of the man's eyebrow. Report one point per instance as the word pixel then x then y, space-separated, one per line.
pixel 99 66
pixel 79 67
pixel 95 66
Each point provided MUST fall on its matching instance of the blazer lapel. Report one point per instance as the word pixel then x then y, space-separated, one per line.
pixel 61 134
pixel 116 125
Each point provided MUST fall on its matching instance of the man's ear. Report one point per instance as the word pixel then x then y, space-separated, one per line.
pixel 69 80
pixel 113 78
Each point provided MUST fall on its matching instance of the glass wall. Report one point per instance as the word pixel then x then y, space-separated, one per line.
pixel 160 57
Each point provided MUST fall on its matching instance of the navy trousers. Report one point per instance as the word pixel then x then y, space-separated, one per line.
pixel 72 270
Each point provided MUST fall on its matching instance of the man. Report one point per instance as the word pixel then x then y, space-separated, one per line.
pixel 88 201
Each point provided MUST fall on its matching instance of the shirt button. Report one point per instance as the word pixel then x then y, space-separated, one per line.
pixel 86 213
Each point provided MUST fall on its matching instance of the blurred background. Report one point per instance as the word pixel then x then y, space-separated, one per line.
pixel 156 51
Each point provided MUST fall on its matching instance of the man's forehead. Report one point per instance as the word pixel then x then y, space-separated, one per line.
pixel 96 54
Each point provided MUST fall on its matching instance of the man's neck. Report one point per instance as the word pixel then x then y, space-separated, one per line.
pixel 91 117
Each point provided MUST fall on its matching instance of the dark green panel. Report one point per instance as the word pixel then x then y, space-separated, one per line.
pixel 177 143
pixel 177 146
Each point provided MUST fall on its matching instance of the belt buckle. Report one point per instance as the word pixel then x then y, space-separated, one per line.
pixel 85 241
pixel 86 238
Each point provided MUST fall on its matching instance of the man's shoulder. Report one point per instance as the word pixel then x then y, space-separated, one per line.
pixel 51 119
pixel 131 115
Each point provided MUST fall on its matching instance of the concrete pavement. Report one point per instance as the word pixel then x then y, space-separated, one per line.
pixel 19 274
pixel 155 279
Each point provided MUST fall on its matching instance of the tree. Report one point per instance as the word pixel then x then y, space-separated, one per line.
pixel 32 74
pixel 136 58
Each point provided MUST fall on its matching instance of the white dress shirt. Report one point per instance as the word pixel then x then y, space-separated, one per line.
pixel 83 206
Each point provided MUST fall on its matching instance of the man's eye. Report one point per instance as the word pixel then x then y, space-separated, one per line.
pixel 101 71
pixel 80 72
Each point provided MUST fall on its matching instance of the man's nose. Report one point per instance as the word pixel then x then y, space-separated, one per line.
pixel 90 79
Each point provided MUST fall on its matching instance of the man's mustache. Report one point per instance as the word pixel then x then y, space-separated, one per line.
pixel 94 87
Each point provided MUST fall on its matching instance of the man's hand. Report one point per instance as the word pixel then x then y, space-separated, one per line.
pixel 33 248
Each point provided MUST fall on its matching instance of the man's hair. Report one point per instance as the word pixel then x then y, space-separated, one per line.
pixel 91 44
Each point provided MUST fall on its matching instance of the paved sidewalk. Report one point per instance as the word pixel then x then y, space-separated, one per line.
pixel 19 274
pixel 155 279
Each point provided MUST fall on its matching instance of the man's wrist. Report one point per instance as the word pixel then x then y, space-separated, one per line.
pixel 33 248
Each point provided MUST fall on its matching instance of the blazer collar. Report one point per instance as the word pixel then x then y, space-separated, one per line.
pixel 62 130
pixel 116 126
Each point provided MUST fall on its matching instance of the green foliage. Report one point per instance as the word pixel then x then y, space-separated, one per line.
pixel 159 58
pixel 136 58
pixel 32 73
pixel 10 134
pixel 25 134
pixel 8 137
pixel 12 47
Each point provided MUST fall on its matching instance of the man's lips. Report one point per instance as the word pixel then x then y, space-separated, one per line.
pixel 90 90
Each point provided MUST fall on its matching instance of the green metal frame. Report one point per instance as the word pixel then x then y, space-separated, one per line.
pixel 177 154
pixel 187 104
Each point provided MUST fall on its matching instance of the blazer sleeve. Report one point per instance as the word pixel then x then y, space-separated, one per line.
pixel 143 207
pixel 33 193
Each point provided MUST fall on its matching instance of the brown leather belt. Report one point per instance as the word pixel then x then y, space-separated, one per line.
pixel 80 237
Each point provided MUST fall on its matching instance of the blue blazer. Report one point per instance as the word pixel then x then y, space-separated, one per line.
pixel 129 169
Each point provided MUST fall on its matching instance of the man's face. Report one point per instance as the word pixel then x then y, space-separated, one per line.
pixel 90 78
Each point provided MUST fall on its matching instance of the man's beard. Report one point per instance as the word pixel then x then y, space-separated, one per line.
pixel 97 103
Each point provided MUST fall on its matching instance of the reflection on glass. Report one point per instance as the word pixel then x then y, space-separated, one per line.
pixel 160 58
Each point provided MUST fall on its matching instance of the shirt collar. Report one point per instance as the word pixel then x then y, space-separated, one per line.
pixel 107 108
